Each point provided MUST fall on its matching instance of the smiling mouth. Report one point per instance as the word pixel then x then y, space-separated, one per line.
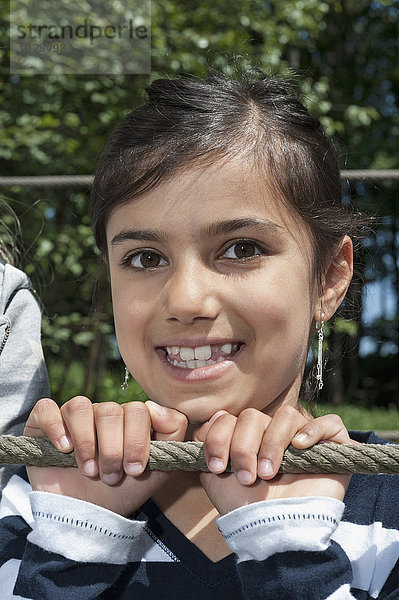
pixel 185 357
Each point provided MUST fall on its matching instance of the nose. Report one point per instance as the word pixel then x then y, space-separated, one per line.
pixel 191 294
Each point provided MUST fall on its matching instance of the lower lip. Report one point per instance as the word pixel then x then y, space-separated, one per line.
pixel 202 373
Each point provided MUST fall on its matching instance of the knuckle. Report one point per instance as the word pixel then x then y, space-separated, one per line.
pixel 211 442
pixel 332 427
pixel 108 409
pixel 325 424
pixel 85 449
pixel 110 447
pixel 225 422
pixel 54 428
pixel 136 449
pixel 138 445
pixel 47 416
pixel 271 447
pixel 287 411
pixel 215 446
pixel 249 415
pixel 133 406
pixel 135 412
pixel 240 454
pixel 181 420
pixel 336 421
pixel 43 406
pixel 178 423
pixel 79 404
pixel 219 436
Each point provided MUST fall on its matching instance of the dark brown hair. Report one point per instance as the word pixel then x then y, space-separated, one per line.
pixel 190 120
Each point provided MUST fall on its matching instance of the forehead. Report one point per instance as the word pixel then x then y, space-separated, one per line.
pixel 199 197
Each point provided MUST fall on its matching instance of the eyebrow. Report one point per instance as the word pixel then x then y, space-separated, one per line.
pixel 231 225
pixel 219 228
pixel 147 235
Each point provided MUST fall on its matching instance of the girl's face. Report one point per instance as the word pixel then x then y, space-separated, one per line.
pixel 212 292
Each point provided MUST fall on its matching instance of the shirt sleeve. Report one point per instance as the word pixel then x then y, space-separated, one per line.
pixel 285 551
pixel 23 375
pixel 71 549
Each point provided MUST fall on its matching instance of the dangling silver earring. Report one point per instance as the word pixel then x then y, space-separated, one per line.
pixel 319 375
pixel 125 384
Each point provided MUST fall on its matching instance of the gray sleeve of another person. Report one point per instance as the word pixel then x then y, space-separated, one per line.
pixel 23 375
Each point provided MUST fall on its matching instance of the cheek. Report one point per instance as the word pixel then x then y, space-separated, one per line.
pixel 280 315
pixel 128 303
pixel 129 315
pixel 281 302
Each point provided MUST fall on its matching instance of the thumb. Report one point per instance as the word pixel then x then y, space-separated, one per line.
pixel 166 423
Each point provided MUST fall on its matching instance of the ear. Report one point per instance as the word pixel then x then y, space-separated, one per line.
pixel 336 280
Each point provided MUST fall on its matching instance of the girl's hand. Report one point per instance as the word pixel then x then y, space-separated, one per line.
pixel 256 443
pixel 111 444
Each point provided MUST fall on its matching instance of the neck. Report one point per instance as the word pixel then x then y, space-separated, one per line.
pixel 185 503
pixel 183 488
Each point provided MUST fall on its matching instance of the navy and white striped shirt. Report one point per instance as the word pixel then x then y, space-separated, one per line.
pixel 58 548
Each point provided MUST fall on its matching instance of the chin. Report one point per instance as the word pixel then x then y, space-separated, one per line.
pixel 197 412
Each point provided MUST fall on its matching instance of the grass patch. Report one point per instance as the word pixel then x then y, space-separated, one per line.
pixel 364 419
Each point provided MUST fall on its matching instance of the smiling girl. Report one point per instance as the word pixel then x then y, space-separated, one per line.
pixel 217 209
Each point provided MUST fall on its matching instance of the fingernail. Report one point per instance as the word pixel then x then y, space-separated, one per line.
pixel 110 478
pixel 244 476
pixel 265 467
pixel 90 468
pixel 133 468
pixel 215 464
pixel 301 437
pixel 64 443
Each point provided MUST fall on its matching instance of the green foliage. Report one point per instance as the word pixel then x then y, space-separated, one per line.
pixel 69 381
pixel 58 123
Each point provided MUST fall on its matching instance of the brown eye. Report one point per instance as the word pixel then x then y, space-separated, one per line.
pixel 147 259
pixel 244 249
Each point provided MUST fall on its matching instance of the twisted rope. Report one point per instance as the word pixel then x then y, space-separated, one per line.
pixel 370 174
pixel 56 181
pixel 43 181
pixel 189 456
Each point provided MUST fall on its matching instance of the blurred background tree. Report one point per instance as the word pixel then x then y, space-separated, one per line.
pixel 345 53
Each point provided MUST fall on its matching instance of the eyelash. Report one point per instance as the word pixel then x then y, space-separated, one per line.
pixel 262 251
pixel 127 262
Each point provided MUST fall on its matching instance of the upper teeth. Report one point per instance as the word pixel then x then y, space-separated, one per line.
pixel 198 353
